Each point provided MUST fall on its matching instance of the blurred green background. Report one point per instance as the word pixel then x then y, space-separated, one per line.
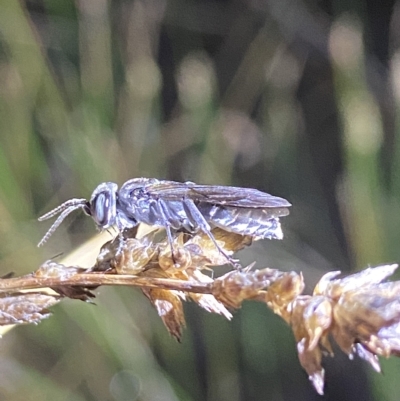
pixel 296 98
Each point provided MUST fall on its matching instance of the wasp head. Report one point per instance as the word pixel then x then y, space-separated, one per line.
pixel 101 207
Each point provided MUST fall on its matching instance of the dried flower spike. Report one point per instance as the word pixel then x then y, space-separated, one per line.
pixel 360 312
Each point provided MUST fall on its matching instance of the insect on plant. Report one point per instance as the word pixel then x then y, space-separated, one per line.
pixel 179 206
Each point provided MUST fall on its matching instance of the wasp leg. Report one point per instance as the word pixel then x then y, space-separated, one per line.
pixel 201 222
pixel 163 211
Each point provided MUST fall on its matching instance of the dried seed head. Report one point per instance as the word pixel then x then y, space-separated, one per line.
pixel 360 312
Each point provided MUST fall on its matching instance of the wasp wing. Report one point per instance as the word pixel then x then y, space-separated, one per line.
pixel 215 194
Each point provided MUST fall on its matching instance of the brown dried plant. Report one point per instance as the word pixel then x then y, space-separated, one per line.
pixel 360 312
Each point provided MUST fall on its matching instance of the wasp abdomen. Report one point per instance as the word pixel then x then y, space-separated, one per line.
pixel 261 223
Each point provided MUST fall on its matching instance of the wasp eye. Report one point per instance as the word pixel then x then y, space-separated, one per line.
pixel 103 209
pixel 101 205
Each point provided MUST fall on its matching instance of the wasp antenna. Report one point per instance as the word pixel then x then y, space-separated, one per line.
pixel 65 211
pixel 62 207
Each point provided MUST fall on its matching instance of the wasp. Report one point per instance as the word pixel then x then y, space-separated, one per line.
pixel 177 206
